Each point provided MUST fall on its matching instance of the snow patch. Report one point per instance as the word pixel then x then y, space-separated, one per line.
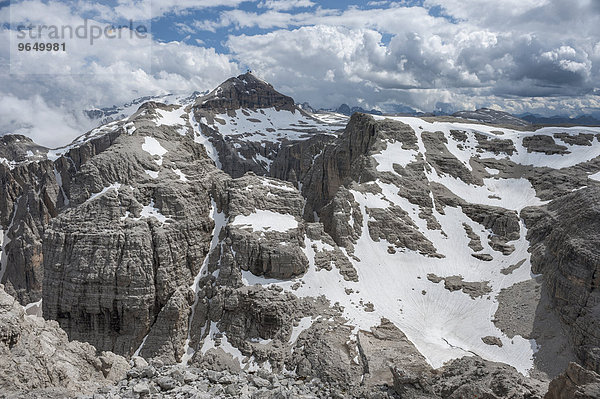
pixel 468 149
pixel 33 308
pixel 394 154
pixel 269 125
pixel 182 176
pixel 11 164
pixel 59 181
pixel 114 186
pixel 200 138
pixel 151 173
pixel 153 147
pixel 150 211
pixel 170 118
pixel 277 184
pixel 304 324
pixel 262 220
pixel 224 344
pixel 220 222
pixel 595 176
pixel 139 349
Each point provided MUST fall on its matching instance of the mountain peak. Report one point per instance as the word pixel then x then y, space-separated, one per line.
pixel 345 109
pixel 245 91
pixel 16 148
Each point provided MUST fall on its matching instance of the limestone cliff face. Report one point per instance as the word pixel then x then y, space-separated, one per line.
pixel 575 382
pixel 35 190
pixel 31 199
pixel 565 245
pixel 295 161
pixel 277 252
pixel 122 257
pixel 338 163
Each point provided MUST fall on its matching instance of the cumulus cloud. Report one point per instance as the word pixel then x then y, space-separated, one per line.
pixel 466 57
pixel 286 4
pixel 520 55
pixel 144 9
pixel 46 93
pixel 467 67
pixel 48 125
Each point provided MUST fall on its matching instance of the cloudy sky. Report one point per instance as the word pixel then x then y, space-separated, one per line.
pixel 539 56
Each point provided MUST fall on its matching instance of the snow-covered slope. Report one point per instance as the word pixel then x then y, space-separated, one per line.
pixel 106 115
pixel 471 179
pixel 249 132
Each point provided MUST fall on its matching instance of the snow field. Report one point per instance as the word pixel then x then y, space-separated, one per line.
pixel 154 148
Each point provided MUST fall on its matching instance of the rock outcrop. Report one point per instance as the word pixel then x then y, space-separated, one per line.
pixel 338 163
pixel 492 116
pixel 119 256
pixel 244 91
pixel 36 358
pixel 564 238
pixel 575 383
pixel 468 377
pixel 249 123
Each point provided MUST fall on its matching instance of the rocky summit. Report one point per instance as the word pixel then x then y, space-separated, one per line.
pixel 237 245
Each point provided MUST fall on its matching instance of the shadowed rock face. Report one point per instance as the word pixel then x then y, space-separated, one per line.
pixel 565 248
pixel 31 198
pixel 337 165
pixel 37 357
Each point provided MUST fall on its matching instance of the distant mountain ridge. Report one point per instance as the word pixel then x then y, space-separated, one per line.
pixel 345 109
pixel 581 120
pixel 488 115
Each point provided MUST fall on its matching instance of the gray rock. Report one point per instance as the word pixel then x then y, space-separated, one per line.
pixel 565 249
pixel 497 146
pixel 583 139
pixel 260 382
pixel 467 377
pixel 475 243
pixel 576 382
pixel 489 340
pixel 456 283
pixel 166 383
pixel 544 144
pixel 36 355
pixel 492 116
pixel 141 388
